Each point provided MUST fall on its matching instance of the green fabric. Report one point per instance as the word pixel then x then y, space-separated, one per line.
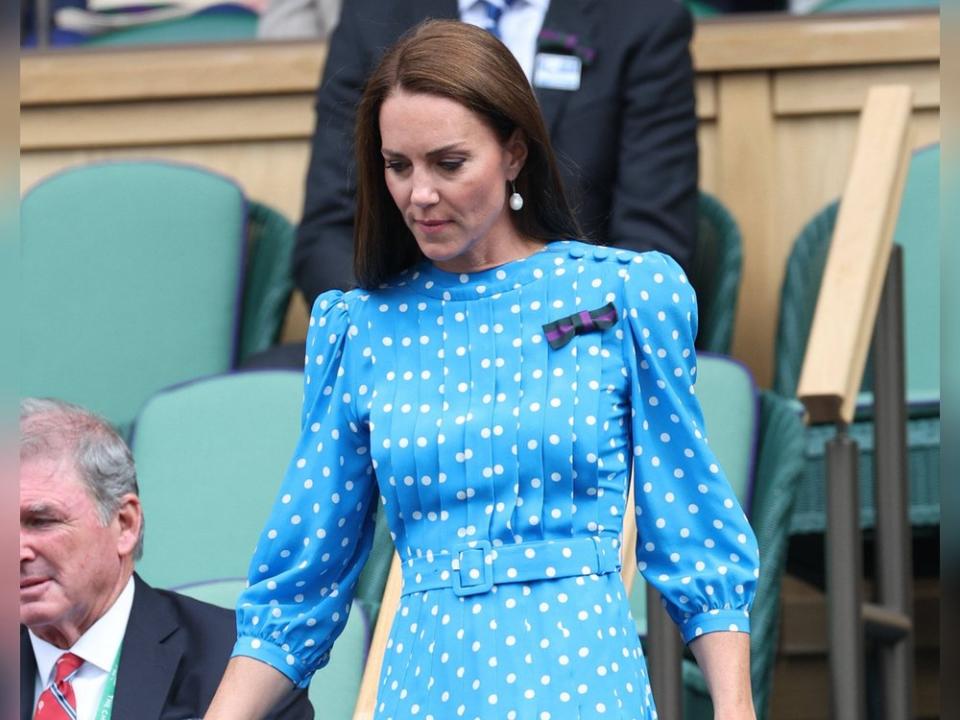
pixel 728 397
pixel 334 689
pixel 923 474
pixel 798 298
pixel 849 6
pixel 206 28
pixel 269 282
pixel 918 233
pixel 778 473
pixel 210 456
pixel 715 274
pixel 131 276
pixel 700 10
pixel 373 577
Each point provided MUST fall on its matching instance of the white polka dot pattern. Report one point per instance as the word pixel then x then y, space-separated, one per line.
pixel 441 391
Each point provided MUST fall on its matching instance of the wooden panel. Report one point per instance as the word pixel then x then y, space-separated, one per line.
pixel 171 72
pixel 773 41
pixel 706 89
pixel 746 184
pixel 166 123
pixel 838 90
pixel 719 44
pixel 853 276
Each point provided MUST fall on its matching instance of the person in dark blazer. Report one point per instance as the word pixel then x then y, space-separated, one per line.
pixel 623 126
pixel 93 635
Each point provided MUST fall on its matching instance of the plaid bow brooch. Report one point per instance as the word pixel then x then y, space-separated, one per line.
pixel 560 332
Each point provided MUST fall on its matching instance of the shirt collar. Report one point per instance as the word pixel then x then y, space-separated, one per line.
pixel 97 646
pixel 465 5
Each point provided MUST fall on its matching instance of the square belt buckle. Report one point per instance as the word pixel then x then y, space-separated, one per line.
pixel 474 576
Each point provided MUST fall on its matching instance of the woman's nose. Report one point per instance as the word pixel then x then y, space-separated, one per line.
pixel 424 193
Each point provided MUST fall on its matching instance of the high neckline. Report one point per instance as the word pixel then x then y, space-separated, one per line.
pixel 430 280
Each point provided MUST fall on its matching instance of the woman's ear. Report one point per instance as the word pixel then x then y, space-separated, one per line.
pixel 515 153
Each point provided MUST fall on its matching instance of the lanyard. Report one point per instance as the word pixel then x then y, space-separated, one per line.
pixel 106 700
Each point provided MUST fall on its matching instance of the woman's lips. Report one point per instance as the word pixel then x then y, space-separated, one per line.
pixel 432 226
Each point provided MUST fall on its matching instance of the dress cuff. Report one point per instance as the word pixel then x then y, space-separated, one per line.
pixel 276 657
pixel 715 621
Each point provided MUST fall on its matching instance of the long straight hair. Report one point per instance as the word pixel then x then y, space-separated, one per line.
pixel 451 59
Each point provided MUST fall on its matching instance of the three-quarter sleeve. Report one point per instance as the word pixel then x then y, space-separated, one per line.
pixel 694 542
pixel 306 564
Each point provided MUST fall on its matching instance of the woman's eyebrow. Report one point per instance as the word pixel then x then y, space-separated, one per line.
pixel 387 152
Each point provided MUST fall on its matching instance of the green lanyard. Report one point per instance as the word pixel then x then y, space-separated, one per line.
pixel 106 700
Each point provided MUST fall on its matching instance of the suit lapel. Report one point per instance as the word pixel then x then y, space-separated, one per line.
pixel 149 659
pixel 28 675
pixel 567 17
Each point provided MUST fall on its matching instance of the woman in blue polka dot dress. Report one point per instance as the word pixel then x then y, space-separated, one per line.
pixel 494 385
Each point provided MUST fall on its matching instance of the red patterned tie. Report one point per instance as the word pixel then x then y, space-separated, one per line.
pixel 58 702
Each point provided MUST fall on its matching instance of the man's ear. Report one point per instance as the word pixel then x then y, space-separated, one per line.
pixel 516 153
pixel 129 520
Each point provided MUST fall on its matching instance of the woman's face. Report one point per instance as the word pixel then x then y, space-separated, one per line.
pixel 448 172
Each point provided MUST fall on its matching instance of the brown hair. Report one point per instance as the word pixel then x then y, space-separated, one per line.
pixel 461 62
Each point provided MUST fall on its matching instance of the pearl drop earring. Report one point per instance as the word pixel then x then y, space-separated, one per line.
pixel 516 199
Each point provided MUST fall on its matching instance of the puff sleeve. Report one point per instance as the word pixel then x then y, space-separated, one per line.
pixel 309 556
pixel 694 542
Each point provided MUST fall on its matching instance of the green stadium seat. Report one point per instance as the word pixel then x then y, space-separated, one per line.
pixel 334 689
pixel 134 280
pixel 207 27
pixel 873 6
pixel 715 274
pixel 210 456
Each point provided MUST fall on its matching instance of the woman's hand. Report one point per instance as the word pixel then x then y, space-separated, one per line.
pixel 724 658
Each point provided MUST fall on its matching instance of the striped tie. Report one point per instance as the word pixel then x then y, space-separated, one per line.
pixel 58 702
pixel 494 9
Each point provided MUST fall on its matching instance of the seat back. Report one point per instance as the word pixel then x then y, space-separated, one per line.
pixel 918 234
pixel 220 24
pixel 715 274
pixel 728 397
pixel 269 279
pixel 210 457
pixel 873 6
pixel 334 688
pixel 132 276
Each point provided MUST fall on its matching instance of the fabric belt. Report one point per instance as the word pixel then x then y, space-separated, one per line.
pixel 475 567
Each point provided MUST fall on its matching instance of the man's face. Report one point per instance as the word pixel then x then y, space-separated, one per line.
pixel 71 567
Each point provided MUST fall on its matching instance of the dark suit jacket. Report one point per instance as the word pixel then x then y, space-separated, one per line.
pixel 173 656
pixel 626 139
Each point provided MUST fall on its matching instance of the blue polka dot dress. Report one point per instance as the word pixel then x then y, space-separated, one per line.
pixel 502 460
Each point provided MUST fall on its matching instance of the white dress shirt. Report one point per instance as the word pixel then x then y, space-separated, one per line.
pixel 520 25
pixel 98 647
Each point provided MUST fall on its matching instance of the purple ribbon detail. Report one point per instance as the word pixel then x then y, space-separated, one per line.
pixel 560 332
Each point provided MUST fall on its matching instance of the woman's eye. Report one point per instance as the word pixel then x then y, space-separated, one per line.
pixel 450 165
pixel 396 165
